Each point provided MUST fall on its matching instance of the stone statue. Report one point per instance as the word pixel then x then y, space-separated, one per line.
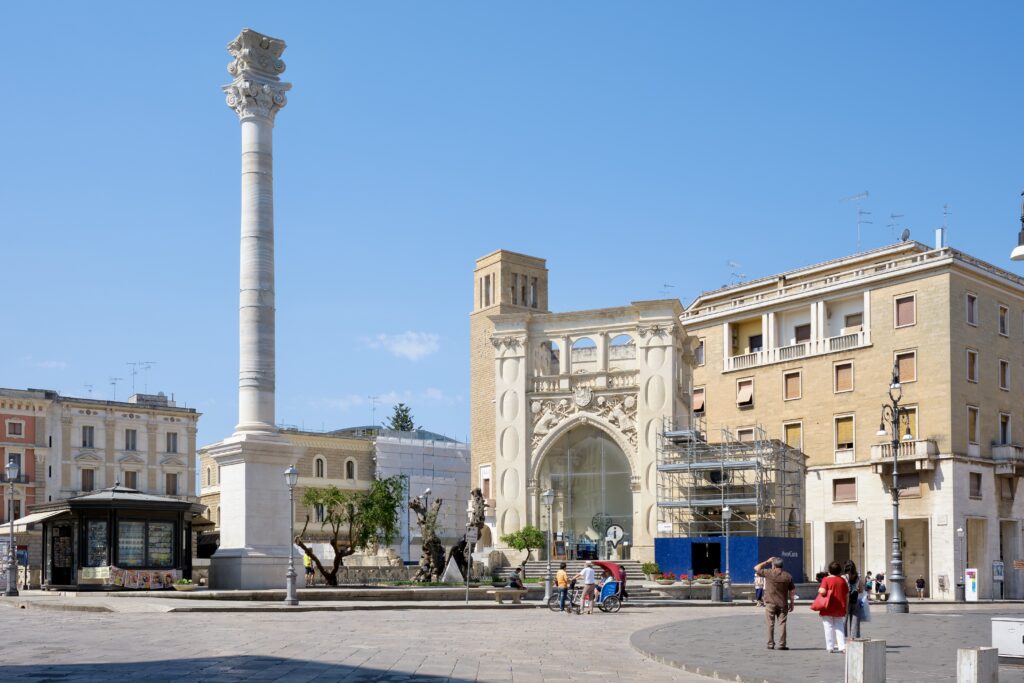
pixel 432 556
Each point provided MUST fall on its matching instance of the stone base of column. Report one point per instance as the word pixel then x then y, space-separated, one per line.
pixel 254 515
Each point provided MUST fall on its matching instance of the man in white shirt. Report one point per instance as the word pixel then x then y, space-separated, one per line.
pixel 589 586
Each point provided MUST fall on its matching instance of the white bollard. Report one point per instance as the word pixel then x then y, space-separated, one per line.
pixel 977 665
pixel 865 661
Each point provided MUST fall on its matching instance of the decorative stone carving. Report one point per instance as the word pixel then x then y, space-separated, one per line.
pixel 618 409
pixel 582 396
pixel 256 89
pixel 508 342
pixel 656 330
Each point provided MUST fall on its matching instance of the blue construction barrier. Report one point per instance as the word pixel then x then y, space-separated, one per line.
pixel 676 555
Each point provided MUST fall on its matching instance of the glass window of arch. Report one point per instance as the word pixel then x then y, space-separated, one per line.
pixel 318 468
pixel 350 469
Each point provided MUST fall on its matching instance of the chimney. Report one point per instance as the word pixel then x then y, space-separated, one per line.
pixel 940 238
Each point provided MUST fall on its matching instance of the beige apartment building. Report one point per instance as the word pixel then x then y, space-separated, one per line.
pixel 809 355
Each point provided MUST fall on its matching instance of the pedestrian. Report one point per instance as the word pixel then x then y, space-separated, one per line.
pixel 759 591
pixel 880 587
pixel 307 562
pixel 853 606
pixel 920 587
pixel 517 579
pixel 779 597
pixel 834 590
pixel 562 581
pixel 589 586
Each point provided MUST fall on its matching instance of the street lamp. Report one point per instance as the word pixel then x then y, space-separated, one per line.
pixel 727 588
pixel 12 557
pixel 893 414
pixel 858 524
pixel 961 586
pixel 291 477
pixel 548 498
pixel 1018 253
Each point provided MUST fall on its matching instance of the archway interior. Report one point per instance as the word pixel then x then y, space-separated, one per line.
pixel 590 476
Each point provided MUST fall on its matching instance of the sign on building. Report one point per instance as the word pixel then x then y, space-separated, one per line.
pixel 971 585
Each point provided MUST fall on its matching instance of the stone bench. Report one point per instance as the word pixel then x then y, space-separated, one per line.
pixel 500 594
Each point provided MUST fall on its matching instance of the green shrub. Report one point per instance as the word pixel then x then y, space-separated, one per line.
pixel 650 568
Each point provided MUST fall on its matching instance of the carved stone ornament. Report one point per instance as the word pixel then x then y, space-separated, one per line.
pixel 618 409
pixel 582 396
pixel 508 342
pixel 256 89
pixel 655 330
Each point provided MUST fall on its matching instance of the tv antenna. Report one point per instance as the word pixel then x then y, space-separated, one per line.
pixel 373 409
pixel 88 388
pixel 895 218
pixel 144 366
pixel 860 196
pixel 666 289
pixel 946 213
pixel 736 275
pixel 113 383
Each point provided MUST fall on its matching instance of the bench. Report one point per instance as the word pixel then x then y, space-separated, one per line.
pixel 501 593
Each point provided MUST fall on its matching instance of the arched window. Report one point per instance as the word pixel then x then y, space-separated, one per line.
pixel 350 469
pixel 319 512
pixel 318 468
pixel 584 350
pixel 218 515
pixel 622 347
pixel 209 476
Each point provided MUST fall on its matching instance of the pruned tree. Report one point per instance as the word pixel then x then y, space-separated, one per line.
pixel 529 538
pixel 401 420
pixel 432 555
pixel 355 519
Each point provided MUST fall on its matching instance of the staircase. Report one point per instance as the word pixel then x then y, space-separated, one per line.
pixel 634 576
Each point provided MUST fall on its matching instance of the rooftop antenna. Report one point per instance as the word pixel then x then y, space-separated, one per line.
pixel 665 289
pixel 905 235
pixel 88 388
pixel 946 213
pixel 860 196
pixel 143 365
pixel 895 218
pixel 373 409
pixel 736 276
pixel 113 383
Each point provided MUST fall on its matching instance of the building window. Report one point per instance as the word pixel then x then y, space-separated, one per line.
pixel 15 428
pixel 844 490
pixel 854 322
pixel 792 433
pixel 131 479
pixel 906 361
pixel 1005 431
pixel 972 309
pixel 171 484
pixel 485 481
pixel 172 442
pixel 756 342
pixel 791 386
pixel 844 433
pixel 843 377
pixel 698 401
pixel 1004 374
pixel 908 423
pixel 975 485
pixel 88 436
pixel 802 333
pixel 699 353
pixel 350 469
pixel 130 439
pixel 209 476
pixel 972 425
pixel 318 510
pixel 1007 487
pixel 88 479
pixel 972 365
pixel 745 435
pixel 745 393
pixel 905 310
pixel 533 292
pixel 1004 321
pixel 318 468
pixel 909 484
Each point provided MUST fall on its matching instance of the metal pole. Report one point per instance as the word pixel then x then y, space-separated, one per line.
pixel 726 594
pixel 897 601
pixel 547 577
pixel 12 561
pixel 291 598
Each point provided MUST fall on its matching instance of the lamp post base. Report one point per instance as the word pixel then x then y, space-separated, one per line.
pixel 894 607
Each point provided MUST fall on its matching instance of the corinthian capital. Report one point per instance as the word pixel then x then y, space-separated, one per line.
pixel 257 89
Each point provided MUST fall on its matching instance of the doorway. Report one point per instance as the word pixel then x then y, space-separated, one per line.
pixel 707 558
pixel 62 555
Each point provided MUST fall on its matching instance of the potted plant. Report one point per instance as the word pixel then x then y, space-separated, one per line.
pixel 666 579
pixel 703 579
pixel 184 585
pixel 650 570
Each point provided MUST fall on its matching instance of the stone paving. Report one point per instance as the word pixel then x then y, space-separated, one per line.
pixel 528 645
pixel 921 647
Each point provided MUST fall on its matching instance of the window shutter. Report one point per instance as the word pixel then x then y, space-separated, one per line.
pixel 905 311
pixel 844 377
pixel 792 435
pixel 698 400
pixel 745 393
pixel 844 489
pixel 908 366
pixel 793 385
pixel 844 432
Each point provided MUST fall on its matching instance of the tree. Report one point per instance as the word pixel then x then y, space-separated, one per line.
pixel 432 555
pixel 401 420
pixel 367 518
pixel 529 538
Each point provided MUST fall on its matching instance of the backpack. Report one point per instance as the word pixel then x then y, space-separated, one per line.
pixel 880 588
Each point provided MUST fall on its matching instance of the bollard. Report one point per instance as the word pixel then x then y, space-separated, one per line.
pixel 716 591
pixel 977 665
pixel 865 661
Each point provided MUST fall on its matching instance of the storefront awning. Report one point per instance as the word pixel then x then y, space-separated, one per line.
pixel 21 525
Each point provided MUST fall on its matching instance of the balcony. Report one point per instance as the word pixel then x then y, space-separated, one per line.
pixel 818 347
pixel 611 379
pixel 921 452
pixel 1009 460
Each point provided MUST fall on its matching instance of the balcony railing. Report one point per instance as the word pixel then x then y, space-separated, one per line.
pixel 1008 453
pixel 815 347
pixel 611 379
pixel 920 451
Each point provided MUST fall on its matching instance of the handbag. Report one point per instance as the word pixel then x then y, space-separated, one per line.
pixel 821 602
pixel 864 611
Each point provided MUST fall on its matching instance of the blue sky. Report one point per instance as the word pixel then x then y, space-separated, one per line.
pixel 633 145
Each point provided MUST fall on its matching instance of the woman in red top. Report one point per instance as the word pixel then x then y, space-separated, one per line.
pixel 833 617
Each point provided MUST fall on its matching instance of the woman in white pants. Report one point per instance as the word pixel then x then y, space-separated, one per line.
pixel 833 617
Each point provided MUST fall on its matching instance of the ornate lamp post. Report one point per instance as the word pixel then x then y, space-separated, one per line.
pixel 548 497
pixel 858 524
pixel 1018 253
pixel 291 477
pixel 727 585
pixel 961 585
pixel 12 471
pixel 893 414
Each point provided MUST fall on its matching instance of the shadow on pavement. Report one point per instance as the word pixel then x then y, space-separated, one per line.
pixel 241 667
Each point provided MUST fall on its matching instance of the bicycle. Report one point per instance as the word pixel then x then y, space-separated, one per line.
pixel 573 600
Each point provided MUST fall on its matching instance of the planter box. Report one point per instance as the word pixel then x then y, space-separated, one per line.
pixel 184 586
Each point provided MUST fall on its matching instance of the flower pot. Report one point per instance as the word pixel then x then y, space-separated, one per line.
pixel 664 582
pixel 184 586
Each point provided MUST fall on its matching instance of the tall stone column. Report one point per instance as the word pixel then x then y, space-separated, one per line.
pixel 256 94
pixel 254 526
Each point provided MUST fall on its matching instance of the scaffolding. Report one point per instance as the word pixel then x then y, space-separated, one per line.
pixel 761 481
